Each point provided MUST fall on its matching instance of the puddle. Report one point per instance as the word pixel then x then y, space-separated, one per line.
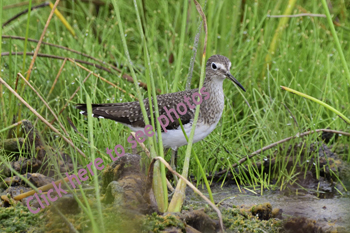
pixel 330 214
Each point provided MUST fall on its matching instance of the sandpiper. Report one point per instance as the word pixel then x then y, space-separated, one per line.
pixel 211 107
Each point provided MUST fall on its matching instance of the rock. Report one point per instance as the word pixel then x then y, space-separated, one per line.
pixel 36 179
pixel 277 213
pixel 22 166
pixel 32 133
pixel 262 211
pixel 125 185
pixel 11 181
pixel 18 186
pixel 200 221
pixel 302 225
pixel 14 144
pixel 67 204
pixel 328 136
pixel 190 229
pixel 173 230
pixel 12 192
pixel 194 221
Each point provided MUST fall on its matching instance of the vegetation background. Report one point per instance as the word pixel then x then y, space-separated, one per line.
pixel 303 56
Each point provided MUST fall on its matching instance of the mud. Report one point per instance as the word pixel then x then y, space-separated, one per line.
pixel 311 204
pixel 314 204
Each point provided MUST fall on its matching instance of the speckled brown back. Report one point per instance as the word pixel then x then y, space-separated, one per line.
pixel 130 113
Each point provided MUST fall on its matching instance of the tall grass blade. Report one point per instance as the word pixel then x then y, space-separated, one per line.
pixel 179 195
pixel 94 169
pixel 63 20
pixel 336 40
pixel 26 36
pixel 342 116
pixel 280 28
pixel 150 83
pixel 179 56
pixel 158 184
pixel 199 164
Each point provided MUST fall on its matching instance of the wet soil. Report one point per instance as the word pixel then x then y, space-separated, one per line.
pixel 315 203
pixel 311 204
pixel 330 214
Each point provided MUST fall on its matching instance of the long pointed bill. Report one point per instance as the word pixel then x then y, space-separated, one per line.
pixel 230 76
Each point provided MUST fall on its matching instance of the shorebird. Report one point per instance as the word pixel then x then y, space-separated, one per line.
pixel 211 107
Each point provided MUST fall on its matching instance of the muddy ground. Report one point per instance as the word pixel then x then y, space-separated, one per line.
pixel 310 205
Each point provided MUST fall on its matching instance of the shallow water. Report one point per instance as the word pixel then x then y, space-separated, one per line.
pixel 329 213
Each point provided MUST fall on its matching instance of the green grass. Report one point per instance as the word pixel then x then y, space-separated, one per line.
pixel 306 60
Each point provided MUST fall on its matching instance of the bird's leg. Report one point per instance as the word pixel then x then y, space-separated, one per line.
pixel 175 155
pixel 173 162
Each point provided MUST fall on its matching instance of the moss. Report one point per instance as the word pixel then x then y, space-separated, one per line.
pixel 114 221
pixel 247 220
pixel 18 219
pixel 156 223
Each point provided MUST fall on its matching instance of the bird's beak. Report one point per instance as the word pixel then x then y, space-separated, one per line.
pixel 230 76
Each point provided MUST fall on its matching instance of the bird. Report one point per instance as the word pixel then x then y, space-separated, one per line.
pixel 211 107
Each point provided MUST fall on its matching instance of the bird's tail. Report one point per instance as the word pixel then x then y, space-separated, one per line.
pixel 109 111
pixel 96 109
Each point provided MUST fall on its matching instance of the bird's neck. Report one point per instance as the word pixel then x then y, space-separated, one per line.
pixel 213 85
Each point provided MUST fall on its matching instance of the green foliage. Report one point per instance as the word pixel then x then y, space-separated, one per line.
pixel 114 221
pixel 307 60
pixel 18 219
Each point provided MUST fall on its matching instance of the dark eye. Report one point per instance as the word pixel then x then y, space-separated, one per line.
pixel 213 66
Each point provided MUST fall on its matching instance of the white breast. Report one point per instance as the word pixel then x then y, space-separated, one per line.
pixel 175 138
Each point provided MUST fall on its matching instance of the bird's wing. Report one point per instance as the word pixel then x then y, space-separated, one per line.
pixel 130 113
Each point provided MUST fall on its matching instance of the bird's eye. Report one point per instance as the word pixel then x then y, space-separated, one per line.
pixel 213 66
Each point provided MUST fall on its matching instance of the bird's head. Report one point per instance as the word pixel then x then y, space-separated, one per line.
pixel 218 68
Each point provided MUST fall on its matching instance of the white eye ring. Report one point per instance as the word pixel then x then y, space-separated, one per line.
pixel 214 66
